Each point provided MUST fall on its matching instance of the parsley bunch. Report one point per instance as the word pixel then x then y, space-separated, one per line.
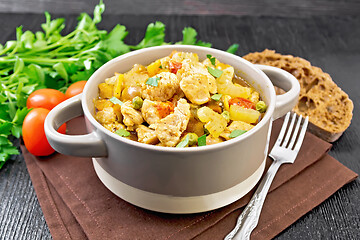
pixel 48 59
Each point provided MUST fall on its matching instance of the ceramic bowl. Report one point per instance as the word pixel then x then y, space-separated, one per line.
pixel 175 180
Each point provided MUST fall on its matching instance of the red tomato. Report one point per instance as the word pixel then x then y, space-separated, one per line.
pixel 75 89
pixel 34 133
pixel 174 66
pixel 45 98
pixel 242 102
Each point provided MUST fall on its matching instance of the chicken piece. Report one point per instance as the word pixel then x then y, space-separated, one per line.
pixel 146 135
pixel 164 63
pixel 153 111
pixel 190 67
pixel 106 116
pixel 181 56
pixel 114 126
pixel 240 125
pixel 195 87
pixel 170 128
pixel 131 117
pixel 168 85
pixel 149 112
pixel 183 110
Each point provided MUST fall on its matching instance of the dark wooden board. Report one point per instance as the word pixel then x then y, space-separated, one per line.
pixel 329 42
pixel 190 7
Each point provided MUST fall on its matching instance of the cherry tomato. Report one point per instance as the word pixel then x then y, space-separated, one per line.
pixel 174 66
pixel 45 98
pixel 243 102
pixel 75 89
pixel 34 133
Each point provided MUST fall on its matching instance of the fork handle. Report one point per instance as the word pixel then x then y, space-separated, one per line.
pixel 249 218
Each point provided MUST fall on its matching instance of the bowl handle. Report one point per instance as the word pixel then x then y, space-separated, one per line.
pixel 87 145
pixel 283 79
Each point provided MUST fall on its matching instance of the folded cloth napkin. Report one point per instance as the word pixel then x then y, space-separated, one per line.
pixel 76 205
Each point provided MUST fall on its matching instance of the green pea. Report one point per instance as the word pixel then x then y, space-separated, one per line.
pixel 261 106
pixel 137 102
pixel 192 138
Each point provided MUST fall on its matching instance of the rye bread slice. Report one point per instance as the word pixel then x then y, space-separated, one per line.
pixel 328 107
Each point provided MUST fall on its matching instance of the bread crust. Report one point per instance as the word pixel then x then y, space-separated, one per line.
pixel 328 107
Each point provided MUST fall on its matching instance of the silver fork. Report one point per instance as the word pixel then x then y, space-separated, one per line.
pixel 282 152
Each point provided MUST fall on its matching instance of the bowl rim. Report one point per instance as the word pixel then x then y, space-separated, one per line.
pixel 214 147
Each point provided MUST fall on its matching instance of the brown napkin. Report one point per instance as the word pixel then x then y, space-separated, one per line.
pixel 77 205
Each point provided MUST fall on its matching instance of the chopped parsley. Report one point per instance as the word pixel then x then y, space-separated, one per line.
pixel 153 81
pixel 212 59
pixel 115 100
pixel 122 133
pixel 215 72
pixel 236 133
pixel 216 97
pixel 202 140
pixel 160 66
pixel 184 142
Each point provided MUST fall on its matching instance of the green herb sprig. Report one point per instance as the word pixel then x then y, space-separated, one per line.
pixel 122 133
pixel 202 140
pixel 184 142
pixel 215 72
pixel 212 59
pixel 153 81
pixel 115 100
pixel 216 96
pixel 236 133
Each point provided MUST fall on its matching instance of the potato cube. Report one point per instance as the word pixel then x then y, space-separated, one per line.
pixel 238 113
pixel 106 90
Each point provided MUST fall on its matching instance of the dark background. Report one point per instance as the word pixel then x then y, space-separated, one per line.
pixel 325 32
pixel 190 7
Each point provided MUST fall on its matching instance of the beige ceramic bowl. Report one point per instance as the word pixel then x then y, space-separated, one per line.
pixel 174 180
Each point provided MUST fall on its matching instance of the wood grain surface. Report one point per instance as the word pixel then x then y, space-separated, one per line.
pixel 190 7
pixel 331 42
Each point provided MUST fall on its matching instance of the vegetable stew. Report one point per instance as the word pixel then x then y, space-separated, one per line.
pixel 179 101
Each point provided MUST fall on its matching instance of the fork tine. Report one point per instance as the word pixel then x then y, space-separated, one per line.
pixel 301 135
pixel 283 129
pixel 296 132
pixel 288 134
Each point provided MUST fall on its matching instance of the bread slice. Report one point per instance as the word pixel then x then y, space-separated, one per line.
pixel 328 107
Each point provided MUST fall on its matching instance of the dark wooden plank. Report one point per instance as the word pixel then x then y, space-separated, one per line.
pixel 190 7
pixel 329 42
pixel 20 213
